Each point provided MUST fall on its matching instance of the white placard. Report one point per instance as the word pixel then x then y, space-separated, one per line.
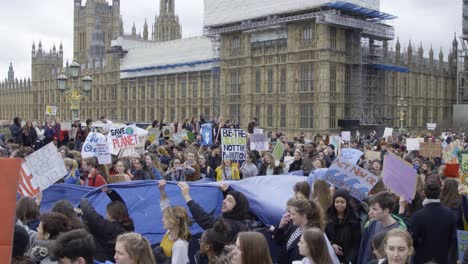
pixel 45 166
pixel 388 132
pixel 346 136
pixel 259 142
pixel 258 131
pixel 412 144
pixel 51 110
pixel 96 145
pixel 431 126
pixel 351 155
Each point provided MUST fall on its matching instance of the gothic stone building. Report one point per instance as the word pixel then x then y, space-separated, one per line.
pixel 297 68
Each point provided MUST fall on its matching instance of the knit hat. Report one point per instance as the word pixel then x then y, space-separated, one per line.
pixel 20 241
pixel 241 209
pixel 165 160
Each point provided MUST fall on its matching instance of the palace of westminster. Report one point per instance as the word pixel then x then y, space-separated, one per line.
pixel 309 68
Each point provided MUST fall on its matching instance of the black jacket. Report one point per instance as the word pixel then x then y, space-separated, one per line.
pixel 345 233
pixel 281 237
pixel 278 170
pixel 104 231
pixel 434 231
pixel 296 165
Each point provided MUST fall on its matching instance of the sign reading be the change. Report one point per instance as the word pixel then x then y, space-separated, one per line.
pixel 234 144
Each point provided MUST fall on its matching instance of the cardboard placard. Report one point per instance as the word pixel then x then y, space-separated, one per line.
pixel 430 150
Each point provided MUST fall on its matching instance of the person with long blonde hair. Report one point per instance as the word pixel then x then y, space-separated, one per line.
pixel 133 248
pixel 73 175
pixel 398 247
pixel 321 194
pixel 175 220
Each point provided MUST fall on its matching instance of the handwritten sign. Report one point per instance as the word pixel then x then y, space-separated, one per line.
pixel 431 126
pixel 166 131
pixel 278 150
pixel 259 142
pixel 353 178
pixel 373 155
pixel 400 176
pixel 387 132
pixel 153 134
pixel 346 136
pixel 430 150
pixel 336 141
pixel 40 170
pixel 412 144
pixel 462 239
pixel 125 137
pixel 51 110
pixel 96 145
pixel 449 154
pixel 234 144
pixel 351 155
pixel 179 136
pixel 258 131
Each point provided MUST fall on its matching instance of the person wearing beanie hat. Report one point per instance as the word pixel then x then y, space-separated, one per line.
pixel 344 227
pixel 234 210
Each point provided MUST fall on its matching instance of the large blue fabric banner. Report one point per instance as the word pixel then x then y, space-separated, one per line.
pixel 267 196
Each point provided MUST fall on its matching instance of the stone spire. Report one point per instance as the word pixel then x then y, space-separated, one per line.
pixel 11 73
pixel 410 53
pixel 134 30
pixel 33 50
pixel 167 25
pixel 121 29
pixel 420 54
pixel 60 49
pixel 145 30
pixel 397 50
pixel 431 55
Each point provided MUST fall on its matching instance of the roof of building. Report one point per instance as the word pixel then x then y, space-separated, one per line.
pixel 220 12
pixel 145 58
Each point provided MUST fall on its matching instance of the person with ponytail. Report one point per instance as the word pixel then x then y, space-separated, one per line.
pixel 175 220
pixel 213 244
pixel 105 230
pixel 300 215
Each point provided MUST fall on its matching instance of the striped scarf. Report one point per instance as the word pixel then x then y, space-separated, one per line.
pixel 297 233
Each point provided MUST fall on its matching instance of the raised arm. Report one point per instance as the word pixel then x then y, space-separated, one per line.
pixel 163 200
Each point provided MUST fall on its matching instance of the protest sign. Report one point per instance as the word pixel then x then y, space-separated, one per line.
pixel 65 125
pixel 96 145
pixel 444 135
pixel 449 154
pixel 462 239
pixel 179 136
pixel 40 170
pixel 207 134
pixel 153 134
pixel 258 131
pixel 51 110
pixel 353 178
pixel 288 160
pixel 412 144
pixel 234 144
pixel 463 160
pixel 72 133
pixel 346 136
pixel 335 141
pixel 259 142
pixel 387 132
pixel 373 155
pixel 166 130
pixel 431 126
pixel 351 155
pixel 278 150
pixel 126 137
pixel 191 136
pixel 8 187
pixel 430 150
pixel 400 176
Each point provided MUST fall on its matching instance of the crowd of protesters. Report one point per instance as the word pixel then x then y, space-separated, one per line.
pixel 321 224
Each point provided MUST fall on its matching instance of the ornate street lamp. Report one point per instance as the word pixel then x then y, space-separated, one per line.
pixel 74 93
pixel 402 105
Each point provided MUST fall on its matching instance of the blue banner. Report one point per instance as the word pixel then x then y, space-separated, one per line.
pixel 207 134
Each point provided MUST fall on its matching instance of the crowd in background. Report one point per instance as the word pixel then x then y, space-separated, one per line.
pixel 321 224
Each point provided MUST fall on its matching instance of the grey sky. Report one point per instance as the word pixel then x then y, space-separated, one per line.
pixel 51 21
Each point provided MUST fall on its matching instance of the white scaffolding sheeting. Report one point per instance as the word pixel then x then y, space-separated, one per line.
pixel 220 12
pixel 182 55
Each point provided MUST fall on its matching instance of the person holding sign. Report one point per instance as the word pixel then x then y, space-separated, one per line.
pixel 227 171
pixel 269 166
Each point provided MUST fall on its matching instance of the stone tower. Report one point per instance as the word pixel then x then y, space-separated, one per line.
pixel 97 49
pixel 85 22
pixel 11 74
pixel 45 65
pixel 167 25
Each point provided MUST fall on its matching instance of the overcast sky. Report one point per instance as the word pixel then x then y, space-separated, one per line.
pixel 51 21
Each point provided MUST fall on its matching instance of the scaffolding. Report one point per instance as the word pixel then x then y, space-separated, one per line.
pixel 462 75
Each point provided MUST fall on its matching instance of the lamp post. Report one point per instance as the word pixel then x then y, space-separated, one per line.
pixel 75 92
pixel 402 104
